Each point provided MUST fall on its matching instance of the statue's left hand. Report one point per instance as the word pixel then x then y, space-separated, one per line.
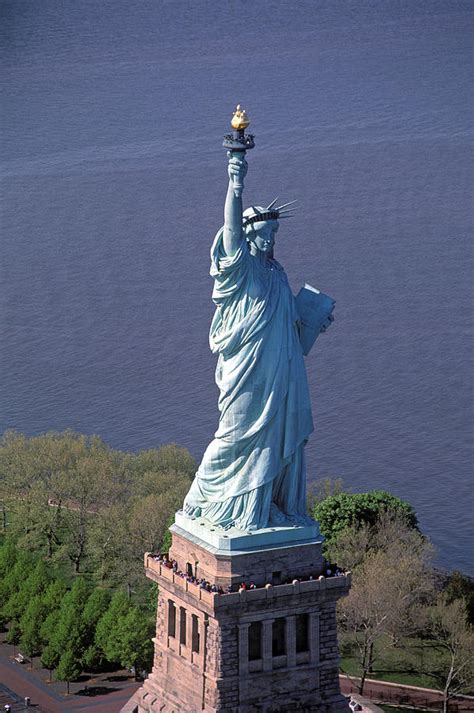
pixel 328 323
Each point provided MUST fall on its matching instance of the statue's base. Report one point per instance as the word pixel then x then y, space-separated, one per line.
pixel 268 648
pixel 233 540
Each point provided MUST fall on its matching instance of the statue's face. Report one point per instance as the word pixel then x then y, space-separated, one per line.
pixel 262 235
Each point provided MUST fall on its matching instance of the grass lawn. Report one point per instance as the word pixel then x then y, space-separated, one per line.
pixel 407 664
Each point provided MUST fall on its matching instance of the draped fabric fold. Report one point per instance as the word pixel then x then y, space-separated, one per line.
pixel 256 457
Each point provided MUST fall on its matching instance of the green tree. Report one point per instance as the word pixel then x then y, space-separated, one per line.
pixel 107 635
pixel 49 659
pixel 166 541
pixel 69 667
pixel 15 590
pixel 460 586
pixel 338 512
pixel 151 600
pixel 74 499
pixel 391 581
pixel 54 595
pixel 54 485
pixel 70 631
pixel 49 628
pixel 8 553
pixel 17 476
pixel 29 587
pixel 96 606
pixel 133 635
pixel 95 486
pixel 111 551
pixel 148 466
pixel 14 634
pixel 15 577
pixel 353 544
pixel 93 658
pixel 453 637
pixel 31 622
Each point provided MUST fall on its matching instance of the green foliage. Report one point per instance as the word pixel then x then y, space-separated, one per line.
pixel 69 667
pixel 50 626
pixel 38 581
pixel 170 459
pixel 152 598
pixel 96 606
pixel 70 632
pixel 54 595
pixel 49 658
pixel 453 636
pixel 93 658
pixel 133 636
pixel 166 541
pixel 8 554
pixel 47 619
pixel 31 622
pixel 339 512
pixel 385 601
pixel 13 580
pixel 77 502
pixel 460 586
pixel 14 634
pixel 108 634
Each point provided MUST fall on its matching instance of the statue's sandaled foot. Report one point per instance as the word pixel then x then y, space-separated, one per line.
pixel 191 510
pixel 277 517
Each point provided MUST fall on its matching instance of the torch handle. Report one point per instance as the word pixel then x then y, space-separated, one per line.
pixel 237 183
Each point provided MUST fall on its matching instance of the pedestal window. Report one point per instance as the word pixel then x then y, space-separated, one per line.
pixel 182 626
pixel 255 641
pixel 194 634
pixel 302 633
pixel 171 619
pixel 278 637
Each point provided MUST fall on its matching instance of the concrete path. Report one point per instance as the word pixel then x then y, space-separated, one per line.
pixel 386 692
pixel 24 683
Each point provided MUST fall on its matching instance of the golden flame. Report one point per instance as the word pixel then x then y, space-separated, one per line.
pixel 240 119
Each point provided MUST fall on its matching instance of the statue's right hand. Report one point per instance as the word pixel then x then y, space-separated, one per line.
pixel 237 168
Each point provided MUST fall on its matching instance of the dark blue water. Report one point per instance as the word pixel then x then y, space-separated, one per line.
pixel 113 185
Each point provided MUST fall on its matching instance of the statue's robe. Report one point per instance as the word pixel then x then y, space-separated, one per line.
pixel 257 455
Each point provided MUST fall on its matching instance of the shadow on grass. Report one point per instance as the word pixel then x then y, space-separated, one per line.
pixel 92 691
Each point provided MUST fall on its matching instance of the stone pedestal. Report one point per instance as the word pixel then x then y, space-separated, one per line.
pixel 272 648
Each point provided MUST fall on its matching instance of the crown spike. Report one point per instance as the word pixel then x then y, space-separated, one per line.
pixel 286 204
pixel 270 206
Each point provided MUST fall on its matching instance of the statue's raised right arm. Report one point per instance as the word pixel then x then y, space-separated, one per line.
pixel 233 233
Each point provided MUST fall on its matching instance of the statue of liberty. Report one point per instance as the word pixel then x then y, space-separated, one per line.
pixel 253 473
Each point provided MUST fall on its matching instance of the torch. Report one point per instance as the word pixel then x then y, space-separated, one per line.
pixel 238 141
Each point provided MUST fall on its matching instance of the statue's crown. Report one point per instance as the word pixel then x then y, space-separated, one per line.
pixel 256 214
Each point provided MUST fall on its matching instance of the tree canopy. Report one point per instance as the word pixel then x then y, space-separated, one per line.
pixel 338 512
pixel 76 501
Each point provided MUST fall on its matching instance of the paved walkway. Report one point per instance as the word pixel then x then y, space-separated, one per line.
pixel 386 692
pixel 25 683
